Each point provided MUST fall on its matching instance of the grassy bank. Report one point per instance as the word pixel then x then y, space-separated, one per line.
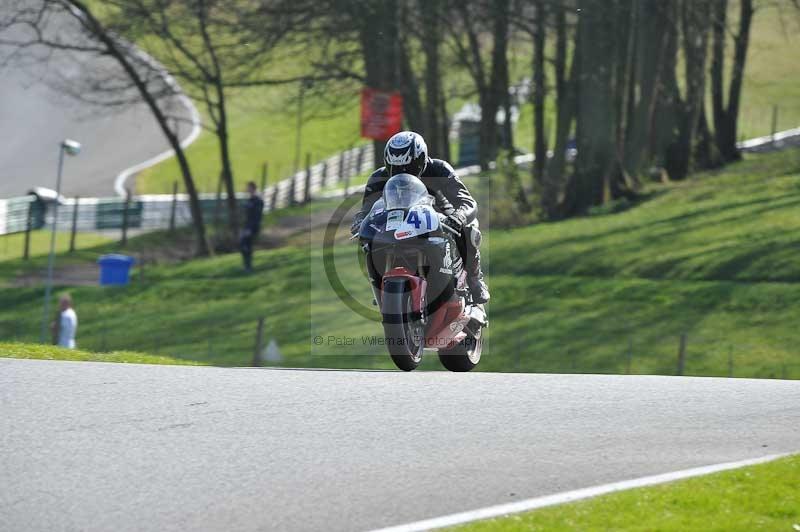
pixel 762 497
pixel 49 352
pixel 713 258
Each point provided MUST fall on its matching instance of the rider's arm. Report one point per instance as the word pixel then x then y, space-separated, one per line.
pixel 372 193
pixel 458 194
pixel 373 189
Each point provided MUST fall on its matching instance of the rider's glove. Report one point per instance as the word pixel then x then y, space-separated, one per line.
pixel 455 221
pixel 355 227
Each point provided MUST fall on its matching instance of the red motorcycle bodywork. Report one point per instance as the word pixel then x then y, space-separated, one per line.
pixel 444 327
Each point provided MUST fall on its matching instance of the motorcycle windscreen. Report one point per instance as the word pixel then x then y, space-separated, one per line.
pixel 403 191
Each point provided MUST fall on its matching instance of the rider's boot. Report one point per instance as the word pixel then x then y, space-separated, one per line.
pixel 477 286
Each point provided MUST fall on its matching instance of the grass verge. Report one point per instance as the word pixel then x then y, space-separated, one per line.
pixel 49 352
pixel 762 497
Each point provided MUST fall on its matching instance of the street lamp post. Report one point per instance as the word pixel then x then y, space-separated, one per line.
pixel 70 147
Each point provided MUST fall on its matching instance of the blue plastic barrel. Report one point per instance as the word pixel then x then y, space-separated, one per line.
pixel 115 269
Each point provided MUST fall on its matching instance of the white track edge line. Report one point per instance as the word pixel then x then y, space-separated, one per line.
pixel 122 177
pixel 574 495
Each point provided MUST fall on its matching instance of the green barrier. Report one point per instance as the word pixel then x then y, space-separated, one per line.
pixel 111 212
pixel 18 210
pixel 216 211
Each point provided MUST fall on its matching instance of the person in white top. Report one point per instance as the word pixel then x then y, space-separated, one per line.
pixel 67 322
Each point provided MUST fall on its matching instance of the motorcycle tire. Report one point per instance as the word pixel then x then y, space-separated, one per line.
pixel 404 335
pixel 463 356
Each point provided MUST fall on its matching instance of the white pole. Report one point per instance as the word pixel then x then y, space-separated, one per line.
pixel 51 257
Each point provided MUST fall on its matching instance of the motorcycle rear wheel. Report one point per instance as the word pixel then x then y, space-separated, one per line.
pixel 404 335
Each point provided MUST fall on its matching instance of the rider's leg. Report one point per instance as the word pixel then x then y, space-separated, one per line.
pixel 246 248
pixel 472 263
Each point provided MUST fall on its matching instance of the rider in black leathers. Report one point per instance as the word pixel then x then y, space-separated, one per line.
pixel 406 152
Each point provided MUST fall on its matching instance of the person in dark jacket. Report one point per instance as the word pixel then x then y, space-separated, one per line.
pixel 253 209
pixel 406 152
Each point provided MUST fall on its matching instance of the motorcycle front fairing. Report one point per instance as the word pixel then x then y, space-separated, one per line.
pixel 442 262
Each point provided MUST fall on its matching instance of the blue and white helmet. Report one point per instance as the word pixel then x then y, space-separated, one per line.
pixel 405 153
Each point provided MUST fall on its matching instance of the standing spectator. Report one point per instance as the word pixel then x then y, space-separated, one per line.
pixel 66 323
pixel 254 208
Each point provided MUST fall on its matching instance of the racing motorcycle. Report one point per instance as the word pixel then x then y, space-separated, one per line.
pixel 418 279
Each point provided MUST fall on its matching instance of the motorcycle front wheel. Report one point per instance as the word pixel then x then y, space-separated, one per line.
pixel 403 333
pixel 463 356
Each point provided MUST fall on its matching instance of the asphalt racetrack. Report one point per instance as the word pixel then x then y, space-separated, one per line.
pixel 92 446
pixel 36 114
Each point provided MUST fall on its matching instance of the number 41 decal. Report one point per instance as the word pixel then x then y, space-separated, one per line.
pixel 413 219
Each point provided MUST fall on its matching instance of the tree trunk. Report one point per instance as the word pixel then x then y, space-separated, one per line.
pixel 409 88
pixel 695 21
pixel 726 117
pixel 727 136
pixel 706 155
pixel 539 94
pixel 719 24
pixel 435 124
pixel 652 47
pixel 665 110
pixel 565 113
pixel 227 171
pixel 96 28
pixel 380 49
pixel 499 81
pixel 595 106
pixel 444 129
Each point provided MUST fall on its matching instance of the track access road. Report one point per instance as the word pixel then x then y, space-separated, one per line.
pixel 37 113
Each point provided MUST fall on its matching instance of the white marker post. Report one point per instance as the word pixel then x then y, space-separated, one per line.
pixel 70 147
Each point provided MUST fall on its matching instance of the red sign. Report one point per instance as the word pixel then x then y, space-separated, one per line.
pixel 381 113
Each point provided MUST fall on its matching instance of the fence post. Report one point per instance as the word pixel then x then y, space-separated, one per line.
pixel 307 192
pixel 324 180
pixel 629 362
pixel 125 217
pixel 730 361
pixel 259 342
pixel 173 207
pixel 28 222
pixel 74 224
pixel 263 177
pixel 340 175
pixel 774 121
pixel 359 159
pixel 273 202
pixel 682 355
pixel 218 202
pixel 104 338
pixel 293 190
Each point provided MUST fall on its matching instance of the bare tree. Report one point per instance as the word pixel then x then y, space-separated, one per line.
pixel 211 47
pixel 436 124
pixel 726 115
pixel 565 89
pixel 695 19
pixel 476 22
pixel 32 22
